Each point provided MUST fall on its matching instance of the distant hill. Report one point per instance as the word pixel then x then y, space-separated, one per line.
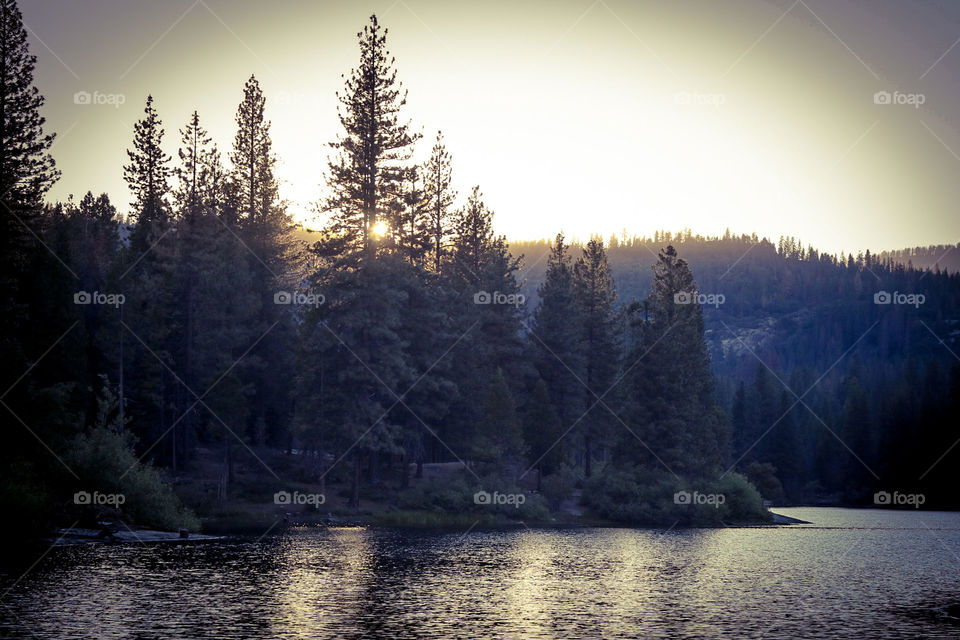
pixel 944 257
pixel 793 307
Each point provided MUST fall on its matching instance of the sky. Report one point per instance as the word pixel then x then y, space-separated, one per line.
pixel 835 122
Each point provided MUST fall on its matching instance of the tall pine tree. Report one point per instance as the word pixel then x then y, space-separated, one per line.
pixel 669 387
pixel 147 175
pixel 596 297
pixel 367 174
pixel 193 153
pixel 439 195
pixel 558 352
pixel 255 187
pixel 26 168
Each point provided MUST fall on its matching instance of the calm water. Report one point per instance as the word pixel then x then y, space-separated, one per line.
pixel 852 574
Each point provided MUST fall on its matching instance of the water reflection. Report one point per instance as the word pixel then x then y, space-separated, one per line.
pixel 864 575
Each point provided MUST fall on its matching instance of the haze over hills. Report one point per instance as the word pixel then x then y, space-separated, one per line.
pixel 946 257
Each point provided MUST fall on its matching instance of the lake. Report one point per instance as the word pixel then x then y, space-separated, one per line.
pixel 850 574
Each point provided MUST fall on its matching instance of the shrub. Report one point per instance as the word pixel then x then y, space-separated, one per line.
pixel 656 498
pixel 105 462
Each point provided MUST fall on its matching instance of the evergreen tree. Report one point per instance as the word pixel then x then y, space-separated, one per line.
pixel 489 330
pixel 763 415
pixel 254 185
pixel 33 288
pixel 266 229
pixel 439 195
pixel 214 186
pixel 409 224
pixel 595 296
pixel 93 250
pixel 557 331
pixel 26 168
pixel 147 176
pixel 355 362
pixel 669 385
pixel 367 175
pixel 473 238
pixel 193 154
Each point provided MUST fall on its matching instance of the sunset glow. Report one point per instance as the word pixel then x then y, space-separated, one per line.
pixel 595 117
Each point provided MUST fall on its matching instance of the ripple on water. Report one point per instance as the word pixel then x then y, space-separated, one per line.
pixel 852 573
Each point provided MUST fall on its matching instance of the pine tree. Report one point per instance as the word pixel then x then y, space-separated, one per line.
pixel 28 276
pixel 473 238
pixel 93 249
pixel 670 386
pixel 355 360
pixel 214 186
pixel 147 174
pixel 367 175
pixel 254 184
pixel 266 229
pixel 190 174
pixel 371 184
pixel 27 170
pixel 409 224
pixel 557 333
pixel 439 195
pixel 490 333
pixel 596 296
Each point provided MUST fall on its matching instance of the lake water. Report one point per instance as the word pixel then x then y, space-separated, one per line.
pixel 851 574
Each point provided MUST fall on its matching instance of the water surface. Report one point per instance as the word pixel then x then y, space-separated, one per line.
pixel 852 573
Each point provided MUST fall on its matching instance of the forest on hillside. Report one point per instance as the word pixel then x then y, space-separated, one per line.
pixel 886 375
pixel 207 340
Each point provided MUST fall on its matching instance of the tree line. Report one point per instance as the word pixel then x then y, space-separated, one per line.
pixel 400 335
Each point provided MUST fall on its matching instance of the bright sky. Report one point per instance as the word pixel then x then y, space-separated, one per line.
pixel 590 116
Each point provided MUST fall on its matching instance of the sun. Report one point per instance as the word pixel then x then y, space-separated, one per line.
pixel 380 229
